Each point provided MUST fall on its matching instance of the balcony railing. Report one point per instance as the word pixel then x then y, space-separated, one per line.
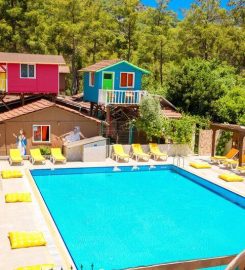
pixel 120 97
pixel 3 84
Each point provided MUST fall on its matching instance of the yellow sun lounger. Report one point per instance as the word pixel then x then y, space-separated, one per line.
pixel 233 163
pixel 156 153
pixel 26 239
pixel 138 152
pixel 241 169
pixel 8 174
pixel 200 165
pixel 57 156
pixel 15 156
pixel 231 154
pixel 118 153
pixel 36 156
pixel 37 267
pixel 17 197
pixel 231 177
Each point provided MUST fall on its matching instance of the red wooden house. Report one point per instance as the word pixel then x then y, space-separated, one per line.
pixel 30 73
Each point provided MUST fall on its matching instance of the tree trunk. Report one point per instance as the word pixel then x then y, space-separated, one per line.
pixel 74 69
pixel 94 50
pixel 129 44
pixel 161 63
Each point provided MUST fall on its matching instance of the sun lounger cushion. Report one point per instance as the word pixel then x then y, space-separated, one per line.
pixel 15 155
pixel 231 177
pixel 26 239
pixel 7 174
pixel 241 168
pixel 219 157
pixel 36 155
pixel 230 161
pixel 37 267
pixel 200 165
pixel 17 197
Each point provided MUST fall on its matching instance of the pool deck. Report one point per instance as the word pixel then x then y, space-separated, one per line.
pixel 32 216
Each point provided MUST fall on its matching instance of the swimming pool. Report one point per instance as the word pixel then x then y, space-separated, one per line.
pixel 141 216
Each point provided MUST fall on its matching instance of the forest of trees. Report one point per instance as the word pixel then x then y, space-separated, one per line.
pixel 197 63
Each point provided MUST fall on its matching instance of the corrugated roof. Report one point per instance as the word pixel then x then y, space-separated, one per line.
pixel 75 101
pixel 31 58
pixel 64 69
pixel 100 65
pixel 37 106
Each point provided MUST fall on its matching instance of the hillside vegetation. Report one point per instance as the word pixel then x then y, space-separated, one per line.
pixel 197 62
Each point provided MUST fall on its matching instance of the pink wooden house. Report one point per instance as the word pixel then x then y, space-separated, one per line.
pixel 30 73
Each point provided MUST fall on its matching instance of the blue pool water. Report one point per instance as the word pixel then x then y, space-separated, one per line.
pixel 126 219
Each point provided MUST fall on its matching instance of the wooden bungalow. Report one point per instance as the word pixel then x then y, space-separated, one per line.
pixel 43 122
pixel 113 82
pixel 31 73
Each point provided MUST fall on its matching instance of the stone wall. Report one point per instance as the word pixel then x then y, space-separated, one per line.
pixel 205 143
pixel 171 149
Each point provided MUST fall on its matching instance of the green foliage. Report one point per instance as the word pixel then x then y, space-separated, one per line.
pixel 179 54
pixel 180 131
pixel 223 140
pixel 150 118
pixel 45 150
pixel 241 120
pixel 196 84
pixel 152 122
pixel 231 107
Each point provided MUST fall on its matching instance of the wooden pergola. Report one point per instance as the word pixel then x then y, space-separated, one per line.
pixel 238 131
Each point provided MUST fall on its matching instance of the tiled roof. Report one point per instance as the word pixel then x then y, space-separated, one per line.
pixel 171 113
pixel 102 64
pixel 31 58
pixel 37 106
pixel 64 69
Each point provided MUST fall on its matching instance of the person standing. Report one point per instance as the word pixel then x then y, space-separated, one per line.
pixel 21 142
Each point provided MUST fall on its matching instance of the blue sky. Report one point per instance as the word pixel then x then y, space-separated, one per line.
pixel 177 5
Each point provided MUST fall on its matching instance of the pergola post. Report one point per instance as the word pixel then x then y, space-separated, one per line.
pixel 108 120
pixel 213 141
pixel 236 129
pixel 241 137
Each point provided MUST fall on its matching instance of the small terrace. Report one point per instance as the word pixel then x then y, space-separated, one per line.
pixel 121 97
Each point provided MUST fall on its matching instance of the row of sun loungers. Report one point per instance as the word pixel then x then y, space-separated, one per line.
pixel 229 161
pixel 36 156
pixel 137 152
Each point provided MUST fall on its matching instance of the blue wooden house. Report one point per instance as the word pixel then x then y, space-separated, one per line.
pixel 113 82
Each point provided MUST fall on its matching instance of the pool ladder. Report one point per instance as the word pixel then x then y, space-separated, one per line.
pixel 178 161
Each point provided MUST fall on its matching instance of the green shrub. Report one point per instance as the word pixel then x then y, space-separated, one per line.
pixel 222 141
pixel 45 150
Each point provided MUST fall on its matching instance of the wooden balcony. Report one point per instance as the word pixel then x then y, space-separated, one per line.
pixel 120 97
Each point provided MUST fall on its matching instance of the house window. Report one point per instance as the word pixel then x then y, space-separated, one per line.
pixel 91 78
pixel 41 133
pixel 27 71
pixel 127 79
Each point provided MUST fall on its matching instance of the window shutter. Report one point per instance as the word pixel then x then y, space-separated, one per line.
pixel 44 133
pixel 130 80
pixel 124 79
